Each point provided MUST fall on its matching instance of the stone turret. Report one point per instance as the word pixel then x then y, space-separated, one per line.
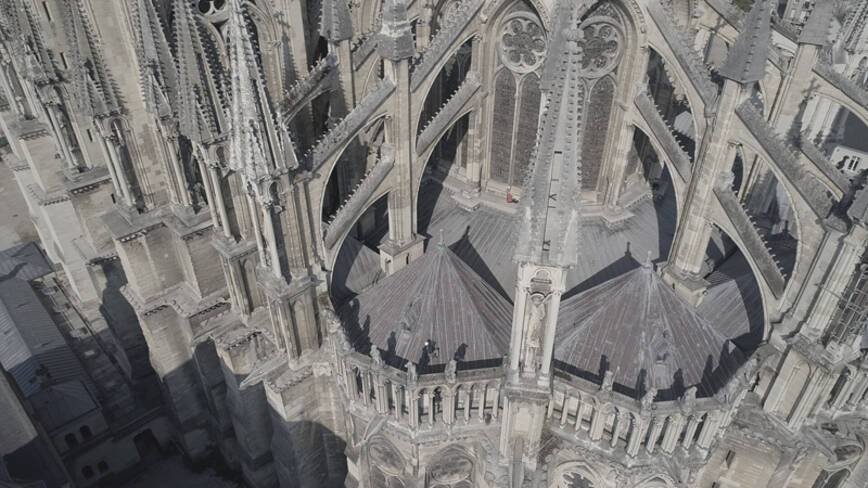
pixel 396 36
pixel 748 56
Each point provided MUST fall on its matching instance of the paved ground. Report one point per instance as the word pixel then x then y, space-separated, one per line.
pixel 15 224
pixel 173 473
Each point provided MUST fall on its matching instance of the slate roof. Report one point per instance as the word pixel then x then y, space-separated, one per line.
pixel 638 327
pixel 747 58
pixel 25 261
pixel 62 403
pixel 29 338
pixel 438 298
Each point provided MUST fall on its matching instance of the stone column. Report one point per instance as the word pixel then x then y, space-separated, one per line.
pixel 693 230
pixel 816 386
pixel 636 434
pixel 598 422
pixel 673 429
pixel 213 176
pixel 692 424
pixel 620 418
pixel 271 238
pixel 656 428
pixel 618 161
pixel 709 430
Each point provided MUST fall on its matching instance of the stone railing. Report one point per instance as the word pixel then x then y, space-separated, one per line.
pixel 784 157
pixel 755 245
pixel 685 55
pixel 621 423
pixel 664 134
pixel 352 208
pixel 447 113
pixel 842 83
pixel 422 402
pixel 349 126
pixel 301 90
pixel 453 26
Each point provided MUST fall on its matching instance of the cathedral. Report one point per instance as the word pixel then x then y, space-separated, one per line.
pixel 464 243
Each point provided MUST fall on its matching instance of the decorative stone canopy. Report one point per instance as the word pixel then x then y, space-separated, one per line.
pixel 438 299
pixel 639 328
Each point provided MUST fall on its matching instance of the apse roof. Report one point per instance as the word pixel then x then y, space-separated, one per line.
pixel 437 298
pixel 640 329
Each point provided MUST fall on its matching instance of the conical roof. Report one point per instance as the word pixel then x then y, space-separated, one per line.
pixel 437 298
pixel 646 334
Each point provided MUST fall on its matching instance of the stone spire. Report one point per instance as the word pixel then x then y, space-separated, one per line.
pixel 548 217
pixel 155 59
pixel 94 92
pixel 395 40
pixel 817 29
pixel 256 150
pixel 747 58
pixel 335 23
pixel 197 118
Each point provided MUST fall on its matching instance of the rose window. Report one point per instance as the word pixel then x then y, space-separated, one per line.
pixel 522 44
pixel 600 43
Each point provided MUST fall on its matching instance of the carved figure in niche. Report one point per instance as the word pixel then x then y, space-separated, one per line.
pixel 451 370
pixel 535 325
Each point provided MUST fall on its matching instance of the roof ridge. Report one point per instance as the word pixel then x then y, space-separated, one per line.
pixel 471 274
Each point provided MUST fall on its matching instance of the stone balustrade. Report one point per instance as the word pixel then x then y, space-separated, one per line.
pixel 580 407
pixel 423 402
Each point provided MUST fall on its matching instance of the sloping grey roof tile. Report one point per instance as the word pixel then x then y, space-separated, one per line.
pixel 438 298
pixel 639 328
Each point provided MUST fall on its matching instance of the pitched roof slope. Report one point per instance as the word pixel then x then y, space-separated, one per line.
pixel 639 328
pixel 747 58
pixel 438 298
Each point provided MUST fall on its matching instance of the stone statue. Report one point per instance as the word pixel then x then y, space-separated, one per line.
pixel 608 381
pixel 376 357
pixel 689 398
pixel 412 376
pixel 451 370
pixel 333 324
pixel 648 399
pixel 536 323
